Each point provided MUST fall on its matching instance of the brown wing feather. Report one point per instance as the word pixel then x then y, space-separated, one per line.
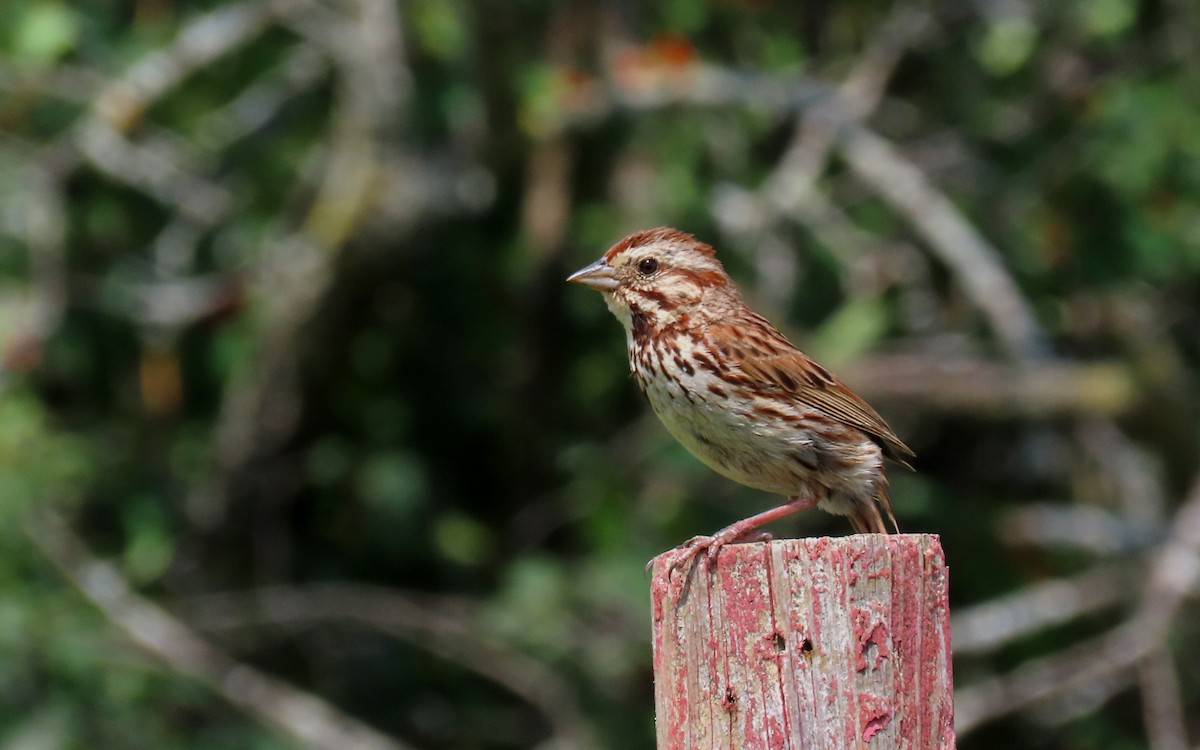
pixel 772 361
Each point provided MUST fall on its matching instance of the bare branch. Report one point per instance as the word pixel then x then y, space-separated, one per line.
pixel 1106 659
pixel 1078 526
pixel 1079 667
pixel 1176 570
pixel 697 84
pixel 121 104
pixel 792 183
pixel 975 263
pixel 1162 706
pixel 1082 699
pixel 259 103
pixel 1121 472
pixel 302 716
pixel 156 166
pixel 260 408
pixel 439 625
pixel 71 83
pixel 1000 621
pixel 959 382
pixel 790 190
pixel 44 221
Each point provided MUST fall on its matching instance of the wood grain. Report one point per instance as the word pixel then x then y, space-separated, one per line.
pixel 819 644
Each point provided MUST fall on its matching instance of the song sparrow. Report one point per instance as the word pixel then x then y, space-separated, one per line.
pixel 736 393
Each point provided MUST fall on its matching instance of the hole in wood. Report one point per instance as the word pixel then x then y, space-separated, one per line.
pixel 729 702
pixel 780 642
pixel 806 646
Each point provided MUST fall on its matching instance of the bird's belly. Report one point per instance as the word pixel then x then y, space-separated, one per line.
pixel 767 449
pixel 742 460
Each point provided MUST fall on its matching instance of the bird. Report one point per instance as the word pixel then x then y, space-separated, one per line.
pixel 737 394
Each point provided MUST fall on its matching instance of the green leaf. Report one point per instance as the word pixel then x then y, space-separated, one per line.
pixel 854 329
pixel 392 482
pixel 149 549
pixel 46 32
pixel 440 29
pixel 1007 45
pixel 462 539
pixel 1107 18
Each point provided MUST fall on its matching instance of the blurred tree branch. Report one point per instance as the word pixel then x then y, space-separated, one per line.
pixel 1174 574
pixel 303 716
pixel 443 626
pixel 993 624
pixel 959 383
pixel 975 263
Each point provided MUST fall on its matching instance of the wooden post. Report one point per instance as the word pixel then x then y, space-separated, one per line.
pixel 806 644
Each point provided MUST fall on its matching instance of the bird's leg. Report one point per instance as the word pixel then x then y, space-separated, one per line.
pixel 741 530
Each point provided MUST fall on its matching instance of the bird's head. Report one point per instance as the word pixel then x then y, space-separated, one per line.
pixel 658 277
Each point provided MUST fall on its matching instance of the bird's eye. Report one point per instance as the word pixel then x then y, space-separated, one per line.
pixel 647 266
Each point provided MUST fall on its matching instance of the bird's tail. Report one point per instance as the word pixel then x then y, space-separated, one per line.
pixel 866 518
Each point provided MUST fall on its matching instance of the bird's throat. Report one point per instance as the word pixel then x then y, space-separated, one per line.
pixel 639 324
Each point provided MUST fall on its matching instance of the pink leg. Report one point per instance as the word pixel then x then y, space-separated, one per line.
pixel 711 545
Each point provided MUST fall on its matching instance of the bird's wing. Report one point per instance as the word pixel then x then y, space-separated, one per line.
pixel 771 361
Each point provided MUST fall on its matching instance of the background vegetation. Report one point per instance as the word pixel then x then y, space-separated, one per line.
pixel 304 442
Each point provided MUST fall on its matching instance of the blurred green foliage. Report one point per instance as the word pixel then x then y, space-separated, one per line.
pixel 263 326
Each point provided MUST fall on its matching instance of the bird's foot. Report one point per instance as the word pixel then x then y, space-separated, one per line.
pixel 706 548
pixel 745 530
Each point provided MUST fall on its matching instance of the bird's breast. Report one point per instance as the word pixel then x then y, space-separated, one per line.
pixel 744 436
pixel 700 409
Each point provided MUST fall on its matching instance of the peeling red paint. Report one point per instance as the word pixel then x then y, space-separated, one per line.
pixel 874 642
pixel 732 668
pixel 874 725
pixel 877 710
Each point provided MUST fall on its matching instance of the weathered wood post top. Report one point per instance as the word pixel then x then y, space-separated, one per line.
pixel 813 644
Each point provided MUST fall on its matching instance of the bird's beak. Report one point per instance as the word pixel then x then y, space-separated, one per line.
pixel 599 275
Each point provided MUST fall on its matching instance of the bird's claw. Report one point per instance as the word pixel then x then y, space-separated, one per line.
pixel 703 547
pixel 707 548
